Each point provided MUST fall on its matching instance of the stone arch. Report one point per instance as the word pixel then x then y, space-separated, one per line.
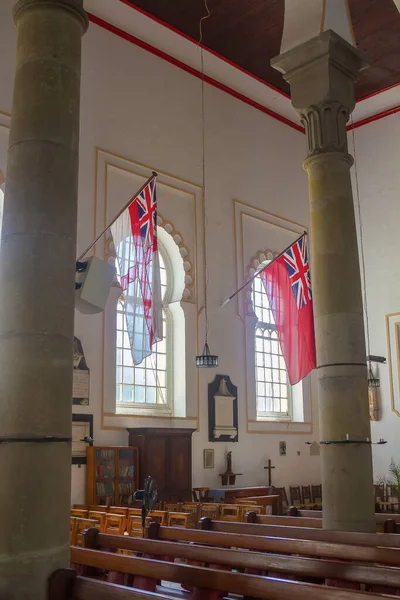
pixel 260 257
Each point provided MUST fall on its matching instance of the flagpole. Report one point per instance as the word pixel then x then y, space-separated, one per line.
pixel 118 215
pixel 259 272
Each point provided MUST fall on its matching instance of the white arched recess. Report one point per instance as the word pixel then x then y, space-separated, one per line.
pixel 300 420
pixel 256 230
pixel 179 315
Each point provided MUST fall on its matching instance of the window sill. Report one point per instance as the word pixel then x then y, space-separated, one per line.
pixel 262 418
pixel 278 426
pixel 143 411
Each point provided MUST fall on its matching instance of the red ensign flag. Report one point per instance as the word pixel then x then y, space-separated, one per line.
pixel 288 286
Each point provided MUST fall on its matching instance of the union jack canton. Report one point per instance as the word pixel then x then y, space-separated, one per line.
pixel 296 262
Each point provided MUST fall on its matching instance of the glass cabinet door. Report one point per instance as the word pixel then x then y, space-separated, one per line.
pixel 127 474
pixel 105 476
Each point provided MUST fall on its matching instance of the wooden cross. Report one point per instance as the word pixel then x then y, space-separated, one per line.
pixel 269 467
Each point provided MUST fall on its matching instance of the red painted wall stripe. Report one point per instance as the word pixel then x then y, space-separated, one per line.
pixel 181 65
pixel 206 48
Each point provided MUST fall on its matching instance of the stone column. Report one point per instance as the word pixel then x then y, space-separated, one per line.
pixel 321 73
pixel 37 274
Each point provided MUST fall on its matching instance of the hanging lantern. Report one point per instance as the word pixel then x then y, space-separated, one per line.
pixel 206 360
pixel 373 384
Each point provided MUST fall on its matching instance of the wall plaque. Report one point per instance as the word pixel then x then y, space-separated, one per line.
pixel 222 410
pixel 80 376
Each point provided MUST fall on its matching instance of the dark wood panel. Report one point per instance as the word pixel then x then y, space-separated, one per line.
pixel 156 452
pixel 166 455
pixel 249 34
pixel 179 463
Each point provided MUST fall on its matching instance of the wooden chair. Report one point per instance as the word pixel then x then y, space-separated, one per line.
pixel 134 527
pixel 120 510
pixel 316 493
pixel 211 510
pixel 81 506
pixel 307 496
pixel 114 524
pixel 159 516
pixel 79 512
pixel 295 495
pixel 137 512
pixel 244 501
pixel 193 508
pixel 99 507
pixel 178 519
pixel 230 512
pixel 100 517
pixel 200 494
pixel 284 504
pixel 80 527
pixel 245 508
pixel 73 527
pixel 172 506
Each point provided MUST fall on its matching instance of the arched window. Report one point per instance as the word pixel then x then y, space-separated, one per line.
pixel 150 383
pixel 273 392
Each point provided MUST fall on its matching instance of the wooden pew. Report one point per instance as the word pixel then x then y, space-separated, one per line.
pixel 291 521
pixel 237 559
pixel 306 533
pixel 303 533
pixel 208 581
pixel 381 518
pixel 380 555
pixel 266 501
pixel 65 584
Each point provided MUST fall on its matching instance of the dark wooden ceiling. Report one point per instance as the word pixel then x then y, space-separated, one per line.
pixel 249 32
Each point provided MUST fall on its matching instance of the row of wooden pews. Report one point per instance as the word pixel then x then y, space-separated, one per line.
pixel 361 561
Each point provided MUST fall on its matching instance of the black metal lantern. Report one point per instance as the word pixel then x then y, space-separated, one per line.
pixel 206 360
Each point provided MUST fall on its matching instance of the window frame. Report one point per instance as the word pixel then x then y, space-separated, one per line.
pixel 285 416
pixel 157 409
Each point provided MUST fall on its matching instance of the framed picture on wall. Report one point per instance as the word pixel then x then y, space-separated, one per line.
pixel 208 458
pixel 82 426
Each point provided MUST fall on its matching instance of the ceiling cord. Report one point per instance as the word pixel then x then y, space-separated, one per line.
pixel 361 242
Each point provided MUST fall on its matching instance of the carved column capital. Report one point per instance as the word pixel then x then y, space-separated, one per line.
pixel 74 6
pixel 325 125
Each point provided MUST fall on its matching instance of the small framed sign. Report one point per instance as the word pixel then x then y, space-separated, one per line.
pixel 208 458
pixel 82 426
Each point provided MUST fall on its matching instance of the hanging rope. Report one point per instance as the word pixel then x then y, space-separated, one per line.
pixel 204 168
pixel 361 243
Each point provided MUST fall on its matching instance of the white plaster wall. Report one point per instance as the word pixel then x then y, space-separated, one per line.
pixel 377 152
pixel 144 109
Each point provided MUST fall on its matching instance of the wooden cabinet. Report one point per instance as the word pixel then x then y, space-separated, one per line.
pixel 166 455
pixel 112 475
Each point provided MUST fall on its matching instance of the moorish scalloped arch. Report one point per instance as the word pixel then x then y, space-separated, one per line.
pixel 189 279
pixel 260 257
